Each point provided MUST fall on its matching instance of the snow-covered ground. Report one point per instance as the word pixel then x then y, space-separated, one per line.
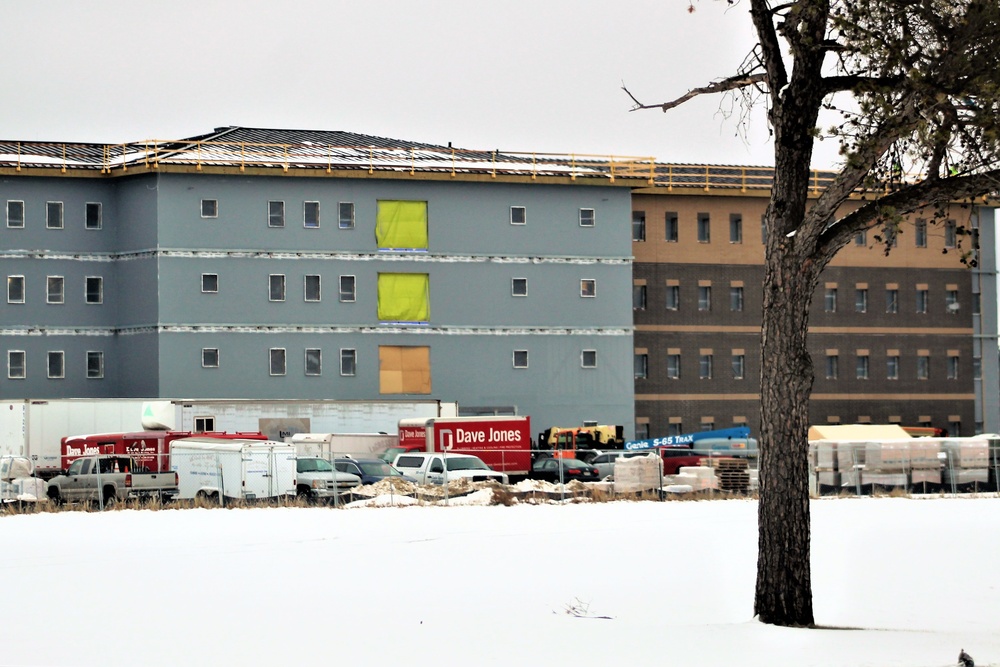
pixel 896 581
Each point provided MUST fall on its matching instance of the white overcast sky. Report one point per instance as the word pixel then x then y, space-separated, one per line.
pixel 518 75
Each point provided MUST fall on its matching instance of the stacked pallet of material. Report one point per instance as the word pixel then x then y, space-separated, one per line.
pixel 699 478
pixel 925 462
pixel 732 474
pixel 638 473
pixel 967 460
pixel 886 463
pixel 850 462
pixel 825 462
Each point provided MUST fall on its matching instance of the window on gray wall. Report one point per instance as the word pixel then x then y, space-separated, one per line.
pixel 588 358
pixel 922 300
pixel 312 287
pixel 518 215
pixel 953 363
pixel 892 300
pixel 210 208
pixel 520 358
pixel 276 357
pixel 276 287
pixel 314 361
pixel 892 367
pixel 95 365
pixel 587 217
pixel 923 367
pixel 704 297
pixel 56 365
pixel 275 214
pixel 15 213
pixel 15 289
pixel 705 367
pixel 54 215
pixel 310 214
pixel 674 366
pixel 348 361
pixel 347 289
pixel 739 366
pixel 588 287
pixel 94 289
pixel 670 223
pixel 346 218
pixel 210 283
pixel 93 215
pixel 210 357
pixel 15 364
pixel 861 300
pixel 55 289
pixel 519 287
pixel 861 367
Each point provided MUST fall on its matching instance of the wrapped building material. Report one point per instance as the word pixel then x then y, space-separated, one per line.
pixel 850 455
pixel 925 476
pixel 966 475
pixel 966 452
pixel 924 453
pixel 884 478
pixel 826 454
pixel 638 473
pixel 887 455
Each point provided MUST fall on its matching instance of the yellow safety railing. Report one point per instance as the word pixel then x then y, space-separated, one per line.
pixel 153 154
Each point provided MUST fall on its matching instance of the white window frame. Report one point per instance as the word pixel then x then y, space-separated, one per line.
pixel 673 367
pixel 830 300
pixel 345 222
pixel 274 220
pixel 588 217
pixel 348 353
pixel 735 299
pixel 99 355
pixel 87 208
pixel 16 224
pixel 671 224
pixel 351 295
pixel 515 360
pixel 207 276
pixel 735 228
pixel 891 300
pixel 705 366
pixel 923 367
pixel 923 301
pixel 209 208
pixel 862 366
pixel 50 356
pixel 704 222
pixel 11 280
pixel 892 367
pixel 861 300
pixel 60 298
pixel 205 362
pixel 705 298
pixel 739 366
pixel 319 288
pixel 673 301
pixel 51 206
pixel 832 366
pixel 523 217
pixel 11 354
pixel 271 358
pixel 519 282
pixel 100 290
pixel 954 363
pixel 306 205
pixel 319 356
pixel 638 226
pixel 271 284
pixel 640 366
pixel 584 354
pixel 584 284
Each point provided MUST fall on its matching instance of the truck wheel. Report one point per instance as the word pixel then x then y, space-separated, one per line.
pixel 302 493
pixel 109 497
pixel 54 496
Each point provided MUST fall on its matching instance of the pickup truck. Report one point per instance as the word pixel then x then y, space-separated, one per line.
pixel 315 479
pixel 429 468
pixel 110 478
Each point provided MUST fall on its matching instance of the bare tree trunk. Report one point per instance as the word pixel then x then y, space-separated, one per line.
pixel 784 588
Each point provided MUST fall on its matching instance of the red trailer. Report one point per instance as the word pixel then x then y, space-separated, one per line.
pixel 503 443
pixel 150 449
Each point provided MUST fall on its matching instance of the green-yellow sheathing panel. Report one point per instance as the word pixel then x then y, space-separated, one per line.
pixel 401 224
pixel 404 297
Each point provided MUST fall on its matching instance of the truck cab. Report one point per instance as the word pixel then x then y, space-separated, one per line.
pixel 439 468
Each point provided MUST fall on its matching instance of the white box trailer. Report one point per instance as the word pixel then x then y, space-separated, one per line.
pixel 332 445
pixel 281 419
pixel 34 428
pixel 236 469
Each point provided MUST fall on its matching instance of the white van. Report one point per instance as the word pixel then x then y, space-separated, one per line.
pixel 235 468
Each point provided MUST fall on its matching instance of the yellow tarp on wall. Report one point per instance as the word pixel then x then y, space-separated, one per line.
pixel 401 224
pixel 404 297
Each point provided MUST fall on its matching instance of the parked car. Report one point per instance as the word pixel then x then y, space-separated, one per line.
pixel 675 458
pixel 563 470
pixel 605 461
pixel 429 468
pixel 371 470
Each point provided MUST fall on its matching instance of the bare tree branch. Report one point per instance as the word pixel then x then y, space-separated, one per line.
pixel 732 83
